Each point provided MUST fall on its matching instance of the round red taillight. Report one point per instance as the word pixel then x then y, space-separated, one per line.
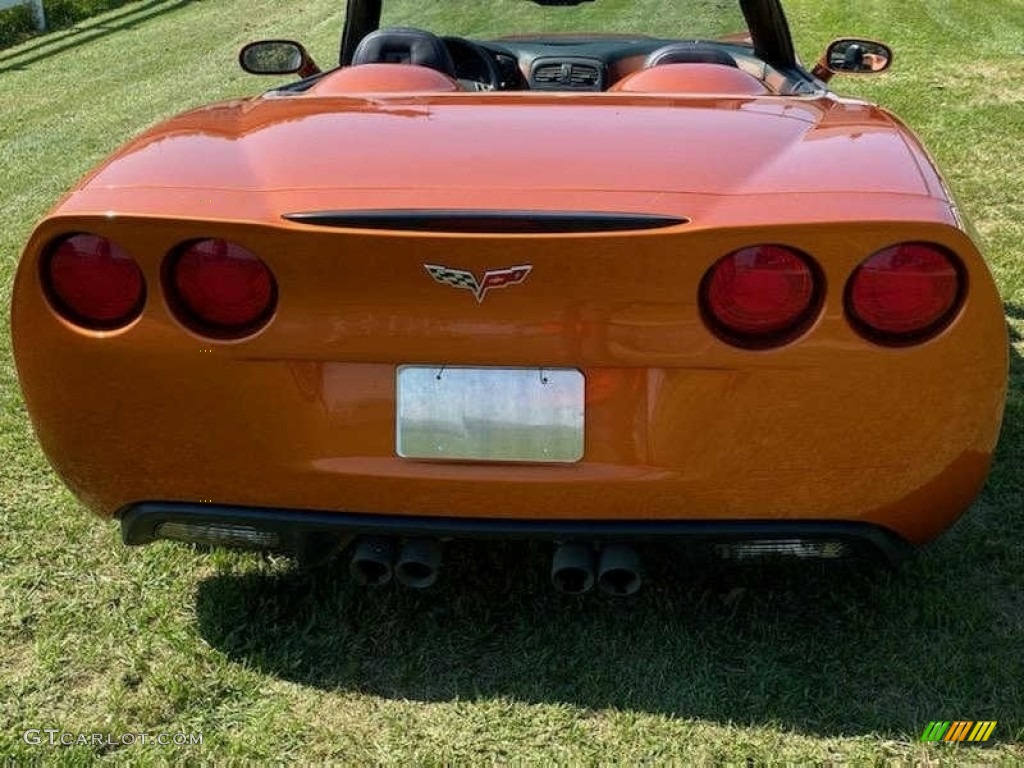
pixel 92 282
pixel 219 288
pixel 905 293
pixel 761 295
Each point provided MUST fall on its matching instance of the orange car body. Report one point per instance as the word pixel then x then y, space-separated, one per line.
pixel 680 425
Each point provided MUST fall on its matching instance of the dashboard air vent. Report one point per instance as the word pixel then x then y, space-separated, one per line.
pixel 567 74
pixel 548 74
pixel 583 76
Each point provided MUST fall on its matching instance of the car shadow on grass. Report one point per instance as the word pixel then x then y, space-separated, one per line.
pixel 841 651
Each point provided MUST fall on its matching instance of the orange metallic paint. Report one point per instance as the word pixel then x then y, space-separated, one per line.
pixel 679 424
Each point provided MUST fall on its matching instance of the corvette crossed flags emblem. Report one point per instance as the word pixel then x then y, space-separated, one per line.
pixel 493 278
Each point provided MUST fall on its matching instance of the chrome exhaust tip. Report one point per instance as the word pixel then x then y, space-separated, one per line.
pixel 618 571
pixel 572 569
pixel 418 563
pixel 372 561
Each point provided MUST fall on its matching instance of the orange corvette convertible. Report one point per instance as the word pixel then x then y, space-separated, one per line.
pixel 594 272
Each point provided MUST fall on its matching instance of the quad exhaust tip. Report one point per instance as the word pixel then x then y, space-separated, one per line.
pixel 576 569
pixel 377 559
pixel 418 563
pixel 618 571
pixel 572 569
pixel 372 561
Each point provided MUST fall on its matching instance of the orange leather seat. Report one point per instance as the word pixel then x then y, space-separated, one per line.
pixel 384 78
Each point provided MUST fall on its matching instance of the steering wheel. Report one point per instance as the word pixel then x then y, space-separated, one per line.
pixel 473 63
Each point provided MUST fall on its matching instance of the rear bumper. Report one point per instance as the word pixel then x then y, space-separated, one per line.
pixel 302 533
pixel 679 427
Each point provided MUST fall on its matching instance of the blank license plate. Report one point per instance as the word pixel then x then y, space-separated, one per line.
pixel 490 414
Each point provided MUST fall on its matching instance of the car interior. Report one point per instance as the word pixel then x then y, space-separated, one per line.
pixel 564 63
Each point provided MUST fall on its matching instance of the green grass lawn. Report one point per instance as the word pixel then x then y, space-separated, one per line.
pixel 793 664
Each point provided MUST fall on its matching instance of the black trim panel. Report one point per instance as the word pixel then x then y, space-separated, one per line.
pixel 296 527
pixel 770 32
pixel 484 222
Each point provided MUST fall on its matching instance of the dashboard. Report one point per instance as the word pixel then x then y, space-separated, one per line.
pixel 566 63
pixel 574 63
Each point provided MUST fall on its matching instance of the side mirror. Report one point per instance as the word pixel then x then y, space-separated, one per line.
pixel 277 57
pixel 852 56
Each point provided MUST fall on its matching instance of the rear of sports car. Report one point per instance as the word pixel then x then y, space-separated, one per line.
pixel 797 373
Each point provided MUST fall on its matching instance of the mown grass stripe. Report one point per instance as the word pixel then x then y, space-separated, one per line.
pixel 703 667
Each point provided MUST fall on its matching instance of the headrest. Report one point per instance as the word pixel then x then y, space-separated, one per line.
pixel 404 45
pixel 689 53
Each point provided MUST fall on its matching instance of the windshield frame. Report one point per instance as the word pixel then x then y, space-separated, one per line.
pixel 766 21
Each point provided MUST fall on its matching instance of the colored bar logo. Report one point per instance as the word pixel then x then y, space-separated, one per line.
pixel 959 730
